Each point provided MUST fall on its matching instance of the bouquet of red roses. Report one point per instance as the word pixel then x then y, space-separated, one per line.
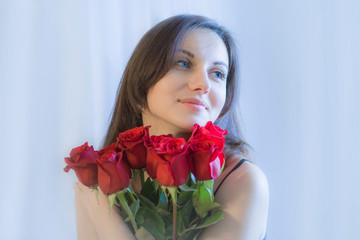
pixel 176 201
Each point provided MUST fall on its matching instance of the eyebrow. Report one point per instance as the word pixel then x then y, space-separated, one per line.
pixel 221 63
pixel 190 54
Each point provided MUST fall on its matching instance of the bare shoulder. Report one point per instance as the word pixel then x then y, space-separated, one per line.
pixel 244 199
pixel 248 178
pixel 247 184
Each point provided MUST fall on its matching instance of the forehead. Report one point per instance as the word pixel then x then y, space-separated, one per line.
pixel 205 43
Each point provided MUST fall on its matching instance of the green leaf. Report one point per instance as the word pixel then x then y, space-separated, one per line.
pixel 134 207
pixel 184 197
pixel 197 235
pixel 149 191
pixel 209 185
pixel 152 221
pixel 186 188
pixel 191 235
pixel 186 212
pixel 169 232
pixel 124 204
pixel 167 218
pixel 201 200
pixel 144 202
pixel 194 231
pixel 130 194
pixel 143 234
pixel 179 223
pixel 156 184
pixel 163 202
pixel 214 218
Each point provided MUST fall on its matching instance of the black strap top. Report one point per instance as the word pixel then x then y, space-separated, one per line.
pixel 234 168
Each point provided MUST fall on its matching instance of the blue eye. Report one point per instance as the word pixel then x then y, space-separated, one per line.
pixel 219 75
pixel 183 63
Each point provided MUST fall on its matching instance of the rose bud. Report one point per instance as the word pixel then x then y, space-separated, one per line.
pixel 114 172
pixel 167 160
pixel 152 143
pixel 83 161
pixel 206 156
pixel 209 131
pixel 214 130
pixel 111 147
pixel 131 142
pixel 206 160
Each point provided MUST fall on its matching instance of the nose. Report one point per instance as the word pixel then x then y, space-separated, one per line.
pixel 199 82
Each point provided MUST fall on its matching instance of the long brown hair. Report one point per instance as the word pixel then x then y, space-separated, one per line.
pixel 153 58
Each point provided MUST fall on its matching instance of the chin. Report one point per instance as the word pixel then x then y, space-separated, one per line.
pixel 189 125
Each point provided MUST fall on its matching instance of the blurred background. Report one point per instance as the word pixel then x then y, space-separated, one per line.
pixel 61 62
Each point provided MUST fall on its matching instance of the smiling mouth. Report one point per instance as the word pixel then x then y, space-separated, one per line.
pixel 193 103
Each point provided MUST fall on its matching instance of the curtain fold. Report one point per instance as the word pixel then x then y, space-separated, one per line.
pixel 61 62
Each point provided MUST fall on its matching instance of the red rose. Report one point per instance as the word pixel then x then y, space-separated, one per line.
pixel 114 172
pixel 131 142
pixel 167 160
pixel 206 156
pixel 83 161
pixel 111 147
pixel 152 143
pixel 209 130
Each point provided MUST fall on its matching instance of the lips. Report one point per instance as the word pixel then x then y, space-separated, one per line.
pixel 194 102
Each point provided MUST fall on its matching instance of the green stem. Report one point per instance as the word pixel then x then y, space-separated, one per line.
pixel 173 193
pixel 130 194
pixel 174 220
pixel 142 171
pixel 127 209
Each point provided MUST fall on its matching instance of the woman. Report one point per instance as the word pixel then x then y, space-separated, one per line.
pixel 184 71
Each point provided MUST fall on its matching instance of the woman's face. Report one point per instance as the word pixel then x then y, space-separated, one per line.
pixel 193 90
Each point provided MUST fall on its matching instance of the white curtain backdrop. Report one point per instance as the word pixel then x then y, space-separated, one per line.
pixel 60 65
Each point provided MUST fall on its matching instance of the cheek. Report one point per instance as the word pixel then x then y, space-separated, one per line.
pixel 220 97
pixel 150 98
pixel 160 95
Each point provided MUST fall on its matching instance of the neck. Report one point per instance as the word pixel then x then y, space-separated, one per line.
pixel 159 127
pixel 176 134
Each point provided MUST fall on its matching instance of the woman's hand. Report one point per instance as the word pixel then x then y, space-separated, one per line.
pixel 94 202
pixel 244 199
pixel 85 226
pixel 95 220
